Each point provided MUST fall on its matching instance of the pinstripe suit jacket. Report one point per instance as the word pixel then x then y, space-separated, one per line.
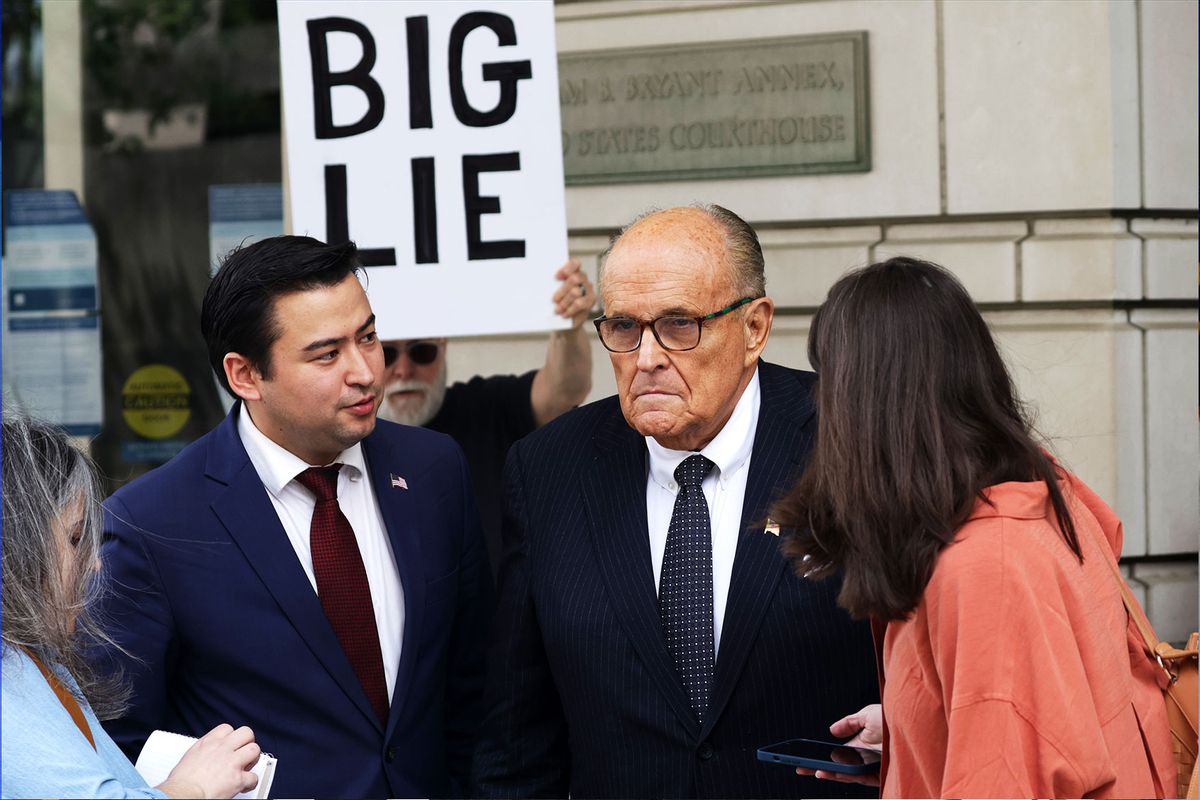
pixel 583 698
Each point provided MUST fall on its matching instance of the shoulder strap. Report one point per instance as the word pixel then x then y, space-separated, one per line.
pixel 67 699
pixel 1131 604
pixel 1161 651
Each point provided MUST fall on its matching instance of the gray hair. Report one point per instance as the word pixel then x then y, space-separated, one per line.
pixel 748 274
pixel 45 479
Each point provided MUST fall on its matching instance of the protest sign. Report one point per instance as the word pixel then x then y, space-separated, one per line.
pixel 429 134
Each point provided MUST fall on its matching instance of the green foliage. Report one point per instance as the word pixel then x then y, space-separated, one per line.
pixel 149 54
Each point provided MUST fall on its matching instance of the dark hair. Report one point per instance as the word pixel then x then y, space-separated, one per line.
pixel 238 315
pixel 917 415
pixel 48 611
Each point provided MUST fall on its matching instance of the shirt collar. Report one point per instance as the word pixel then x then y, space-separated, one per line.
pixel 277 467
pixel 730 449
pixel 1015 500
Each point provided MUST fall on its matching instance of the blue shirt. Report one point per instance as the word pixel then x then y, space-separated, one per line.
pixel 44 753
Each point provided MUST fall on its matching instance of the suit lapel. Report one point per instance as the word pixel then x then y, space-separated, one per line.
pixel 758 565
pixel 244 508
pixel 614 494
pixel 397 506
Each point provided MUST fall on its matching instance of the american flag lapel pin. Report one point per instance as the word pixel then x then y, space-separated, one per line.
pixel 772 527
pixel 398 482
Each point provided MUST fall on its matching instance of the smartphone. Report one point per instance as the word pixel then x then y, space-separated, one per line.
pixel 828 756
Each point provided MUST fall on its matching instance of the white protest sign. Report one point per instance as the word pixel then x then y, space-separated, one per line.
pixel 429 134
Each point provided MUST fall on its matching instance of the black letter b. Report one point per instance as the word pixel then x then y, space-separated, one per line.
pixel 359 75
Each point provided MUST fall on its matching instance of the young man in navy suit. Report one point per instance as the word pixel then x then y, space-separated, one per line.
pixel 302 569
pixel 650 637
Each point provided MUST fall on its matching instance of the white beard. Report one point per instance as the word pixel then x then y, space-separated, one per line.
pixel 434 392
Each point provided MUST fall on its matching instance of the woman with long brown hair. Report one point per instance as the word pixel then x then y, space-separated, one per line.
pixel 1009 664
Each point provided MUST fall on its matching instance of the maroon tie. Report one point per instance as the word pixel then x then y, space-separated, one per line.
pixel 342 584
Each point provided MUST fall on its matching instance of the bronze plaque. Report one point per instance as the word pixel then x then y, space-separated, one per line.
pixel 730 110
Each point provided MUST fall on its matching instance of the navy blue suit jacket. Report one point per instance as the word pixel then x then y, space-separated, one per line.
pixel 583 697
pixel 223 625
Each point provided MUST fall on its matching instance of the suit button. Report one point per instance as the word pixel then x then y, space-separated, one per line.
pixel 390 755
pixel 705 752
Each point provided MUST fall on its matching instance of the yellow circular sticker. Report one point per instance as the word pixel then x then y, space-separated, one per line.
pixel 156 401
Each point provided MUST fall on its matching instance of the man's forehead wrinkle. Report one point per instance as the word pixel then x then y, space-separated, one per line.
pixel 668 245
pixel 658 291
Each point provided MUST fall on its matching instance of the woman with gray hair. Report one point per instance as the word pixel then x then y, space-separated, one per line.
pixel 52 743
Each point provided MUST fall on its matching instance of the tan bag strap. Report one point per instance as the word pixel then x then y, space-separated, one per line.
pixel 1131 604
pixel 66 698
pixel 1162 651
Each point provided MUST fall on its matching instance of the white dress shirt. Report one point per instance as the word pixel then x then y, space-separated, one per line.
pixel 724 491
pixel 278 468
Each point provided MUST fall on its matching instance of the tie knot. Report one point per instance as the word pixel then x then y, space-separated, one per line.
pixel 321 481
pixel 693 470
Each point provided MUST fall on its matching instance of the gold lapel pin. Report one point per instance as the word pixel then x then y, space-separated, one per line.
pixel 772 527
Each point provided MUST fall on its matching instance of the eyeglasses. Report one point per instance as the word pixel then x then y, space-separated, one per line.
pixel 419 352
pixel 624 334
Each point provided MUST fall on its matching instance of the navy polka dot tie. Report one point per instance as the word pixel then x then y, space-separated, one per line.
pixel 685 590
pixel 342 585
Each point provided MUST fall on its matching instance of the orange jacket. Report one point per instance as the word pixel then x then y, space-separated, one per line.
pixel 1019 673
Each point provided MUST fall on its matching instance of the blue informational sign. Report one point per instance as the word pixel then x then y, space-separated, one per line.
pixel 242 213
pixel 50 253
pixel 51 323
pixel 53 368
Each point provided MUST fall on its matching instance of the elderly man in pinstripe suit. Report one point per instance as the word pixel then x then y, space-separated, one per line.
pixel 649 636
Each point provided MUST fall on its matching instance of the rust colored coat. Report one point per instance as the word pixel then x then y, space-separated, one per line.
pixel 1019 674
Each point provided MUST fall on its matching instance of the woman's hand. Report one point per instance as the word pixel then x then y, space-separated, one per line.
pixel 866 726
pixel 217 765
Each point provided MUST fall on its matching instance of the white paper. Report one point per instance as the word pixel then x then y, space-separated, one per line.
pixel 163 751
pixel 455 296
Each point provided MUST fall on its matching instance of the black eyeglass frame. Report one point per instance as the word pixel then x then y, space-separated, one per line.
pixel 654 330
pixel 389 360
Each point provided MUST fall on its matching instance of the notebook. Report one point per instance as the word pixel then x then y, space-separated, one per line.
pixel 163 751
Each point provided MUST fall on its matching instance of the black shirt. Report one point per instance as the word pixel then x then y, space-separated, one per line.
pixel 485 416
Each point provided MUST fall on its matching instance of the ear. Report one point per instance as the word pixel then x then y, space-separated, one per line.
pixel 757 326
pixel 243 376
